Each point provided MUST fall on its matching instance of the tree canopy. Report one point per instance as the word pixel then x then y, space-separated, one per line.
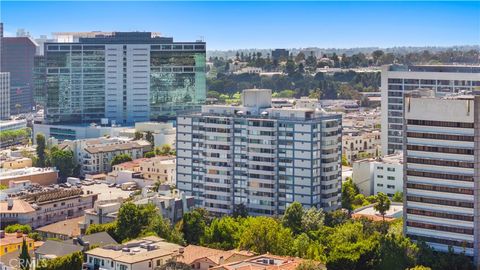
pixel 119 159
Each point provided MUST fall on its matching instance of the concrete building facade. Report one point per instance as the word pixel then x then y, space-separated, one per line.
pixel 261 157
pixel 383 174
pixel 441 150
pixel 398 80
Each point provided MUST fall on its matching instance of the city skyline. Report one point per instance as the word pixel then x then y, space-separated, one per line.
pixel 236 25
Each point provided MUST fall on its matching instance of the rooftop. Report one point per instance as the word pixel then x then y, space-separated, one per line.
pixel 102 147
pixel 192 253
pixel 436 68
pixel 13 238
pixel 67 227
pixel 15 206
pixel 59 248
pixel 4 174
pixel 395 211
pixel 142 249
pixel 264 262
pixel 51 194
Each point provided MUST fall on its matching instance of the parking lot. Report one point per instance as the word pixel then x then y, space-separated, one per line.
pixel 105 192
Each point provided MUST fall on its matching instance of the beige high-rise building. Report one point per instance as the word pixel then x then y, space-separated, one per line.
pixel 442 171
pixel 398 80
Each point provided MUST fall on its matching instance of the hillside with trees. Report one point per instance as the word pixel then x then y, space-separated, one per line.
pixel 299 72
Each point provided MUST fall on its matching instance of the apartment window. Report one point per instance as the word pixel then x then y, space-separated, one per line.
pixel 390 177
pixel 465 191
pixel 391 169
pixel 458 177
pixel 440 201
pixel 380 168
pixel 391 186
pixel 440 227
pixel 437 149
pixel 379 176
pixel 435 136
pixel 379 185
pixel 442 241
pixel 439 215
pixel 436 162
pixel 439 123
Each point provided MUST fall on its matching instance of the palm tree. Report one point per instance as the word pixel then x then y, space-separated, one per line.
pixel 382 205
pixel 18 107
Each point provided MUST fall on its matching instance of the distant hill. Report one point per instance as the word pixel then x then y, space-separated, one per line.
pixel 339 51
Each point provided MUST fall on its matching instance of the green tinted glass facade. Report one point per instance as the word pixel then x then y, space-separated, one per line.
pixel 75 79
pixel 177 82
pixel 126 77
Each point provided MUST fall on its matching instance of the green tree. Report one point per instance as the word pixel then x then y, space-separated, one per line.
pixel 335 218
pixel 240 210
pixel 164 150
pixel 223 233
pixel 2 187
pixel 133 219
pixel 24 257
pixel 351 248
pixel 397 197
pixel 383 204
pixel 309 265
pixel 349 191
pixel 138 135
pixel 110 228
pixel 174 265
pixel 264 234
pixel 149 137
pixel 396 253
pixel 18 107
pixel 290 67
pixel 18 227
pixel 63 160
pixel 40 150
pixel 68 262
pixel 162 228
pixel 35 236
pixel 420 267
pixel 293 217
pixel 149 154
pixel 312 219
pixel 345 161
pixel 119 159
pixel 193 226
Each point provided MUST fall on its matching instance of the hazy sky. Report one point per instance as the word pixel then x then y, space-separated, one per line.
pixel 231 25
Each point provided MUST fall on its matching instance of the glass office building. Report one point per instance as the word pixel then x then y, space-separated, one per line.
pixel 125 77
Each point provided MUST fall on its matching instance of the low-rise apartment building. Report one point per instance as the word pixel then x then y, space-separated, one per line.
pixel 11 242
pixel 140 254
pixel 17 163
pixel 45 207
pixel 42 176
pixel 95 155
pixel 360 144
pixel 159 168
pixel 383 174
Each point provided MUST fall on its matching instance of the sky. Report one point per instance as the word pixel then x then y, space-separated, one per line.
pixel 268 24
